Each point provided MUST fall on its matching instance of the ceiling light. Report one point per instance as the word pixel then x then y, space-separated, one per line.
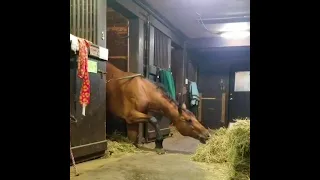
pixel 239 26
pixel 235 34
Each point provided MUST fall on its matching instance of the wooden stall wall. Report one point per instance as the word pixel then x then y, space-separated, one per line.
pixel 118 31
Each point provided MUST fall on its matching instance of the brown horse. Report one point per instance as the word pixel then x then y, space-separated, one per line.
pixel 131 97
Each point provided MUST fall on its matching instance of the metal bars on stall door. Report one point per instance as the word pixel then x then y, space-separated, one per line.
pixel 162 46
pixel 83 19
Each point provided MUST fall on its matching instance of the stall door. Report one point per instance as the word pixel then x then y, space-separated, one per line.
pixel 213 101
pixel 89 133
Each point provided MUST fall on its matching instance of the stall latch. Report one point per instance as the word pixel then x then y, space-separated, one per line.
pixel 102 73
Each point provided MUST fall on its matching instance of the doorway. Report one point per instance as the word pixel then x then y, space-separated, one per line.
pixel 118 45
pixel 239 95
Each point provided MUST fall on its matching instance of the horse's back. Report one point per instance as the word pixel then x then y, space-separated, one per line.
pixel 135 91
pixel 126 95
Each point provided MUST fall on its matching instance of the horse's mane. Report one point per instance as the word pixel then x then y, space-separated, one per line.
pixel 167 96
pixel 163 91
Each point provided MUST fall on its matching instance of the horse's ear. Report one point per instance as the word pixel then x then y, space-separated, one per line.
pixel 183 106
pixel 179 97
pixel 180 108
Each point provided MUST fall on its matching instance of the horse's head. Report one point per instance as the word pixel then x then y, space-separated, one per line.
pixel 188 125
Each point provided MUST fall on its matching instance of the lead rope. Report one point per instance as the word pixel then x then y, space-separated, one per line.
pixel 71 154
pixel 126 77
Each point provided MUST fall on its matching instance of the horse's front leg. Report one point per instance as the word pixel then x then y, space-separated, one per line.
pixel 133 120
pixel 159 138
pixel 133 133
pixel 137 117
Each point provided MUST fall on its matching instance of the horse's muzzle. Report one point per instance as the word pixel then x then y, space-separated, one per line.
pixel 204 137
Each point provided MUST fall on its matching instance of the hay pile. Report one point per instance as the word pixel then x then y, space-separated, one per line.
pixel 118 144
pixel 230 146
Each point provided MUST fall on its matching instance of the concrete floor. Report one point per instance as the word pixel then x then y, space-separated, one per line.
pixel 177 144
pixel 146 165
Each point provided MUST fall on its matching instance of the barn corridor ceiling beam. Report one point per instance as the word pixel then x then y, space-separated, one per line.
pixel 234 19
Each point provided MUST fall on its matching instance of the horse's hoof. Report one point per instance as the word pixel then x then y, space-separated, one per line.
pixel 138 146
pixel 160 151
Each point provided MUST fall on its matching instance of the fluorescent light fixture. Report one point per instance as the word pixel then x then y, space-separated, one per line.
pixel 239 26
pixel 235 34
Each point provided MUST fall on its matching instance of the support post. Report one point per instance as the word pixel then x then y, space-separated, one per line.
pixel 136 47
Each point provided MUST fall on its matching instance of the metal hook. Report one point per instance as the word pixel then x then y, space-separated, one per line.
pixel 102 37
pixel 73 119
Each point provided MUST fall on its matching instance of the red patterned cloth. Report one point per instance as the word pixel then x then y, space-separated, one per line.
pixel 83 73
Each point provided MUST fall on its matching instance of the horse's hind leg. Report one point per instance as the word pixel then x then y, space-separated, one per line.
pixel 159 138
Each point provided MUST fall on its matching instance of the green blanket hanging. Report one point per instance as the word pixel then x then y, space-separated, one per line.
pixel 166 79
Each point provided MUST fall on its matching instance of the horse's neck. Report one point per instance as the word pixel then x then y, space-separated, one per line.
pixel 169 108
pixel 113 71
pixel 112 68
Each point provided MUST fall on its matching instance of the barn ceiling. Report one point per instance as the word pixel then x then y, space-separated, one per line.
pixel 216 15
